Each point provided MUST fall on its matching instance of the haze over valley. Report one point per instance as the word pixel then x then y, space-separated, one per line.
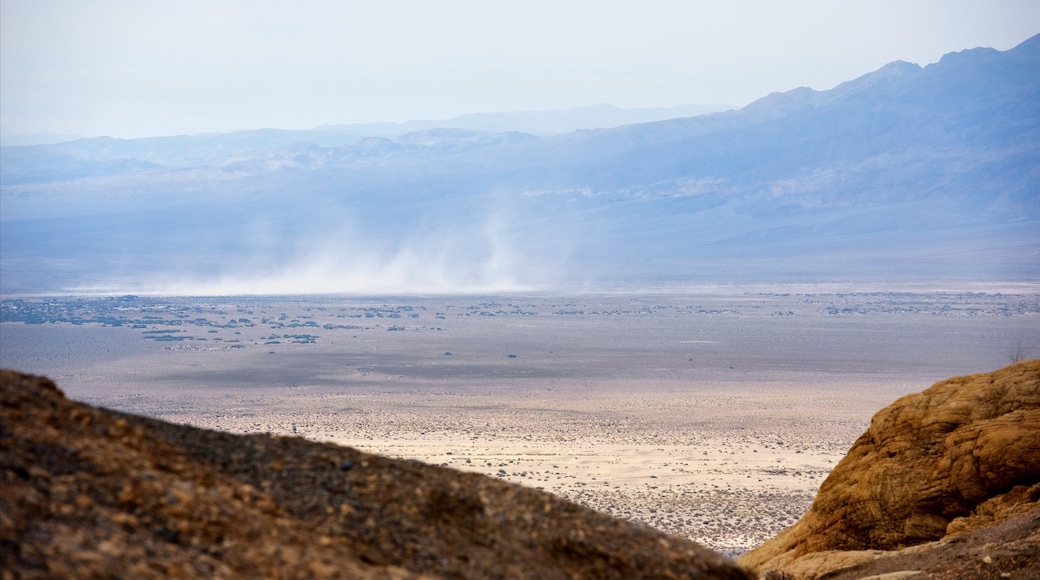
pixel 906 174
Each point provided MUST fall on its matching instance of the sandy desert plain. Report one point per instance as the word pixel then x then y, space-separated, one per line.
pixel 711 413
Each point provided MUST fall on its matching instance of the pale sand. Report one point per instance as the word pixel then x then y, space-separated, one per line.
pixel 726 465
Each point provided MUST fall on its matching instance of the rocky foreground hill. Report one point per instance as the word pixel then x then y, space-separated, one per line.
pixel 946 481
pixel 93 493
pixel 944 484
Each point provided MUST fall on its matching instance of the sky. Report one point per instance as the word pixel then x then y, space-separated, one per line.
pixel 137 68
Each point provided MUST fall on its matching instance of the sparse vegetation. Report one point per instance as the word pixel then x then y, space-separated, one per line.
pixel 1018 353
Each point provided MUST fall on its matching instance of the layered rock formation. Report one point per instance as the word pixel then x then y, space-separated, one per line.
pixel 86 492
pixel 948 474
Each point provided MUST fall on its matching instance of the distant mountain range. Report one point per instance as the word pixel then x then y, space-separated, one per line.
pixel 194 149
pixel 904 174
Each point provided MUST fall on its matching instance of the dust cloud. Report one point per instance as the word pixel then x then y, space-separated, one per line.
pixel 489 255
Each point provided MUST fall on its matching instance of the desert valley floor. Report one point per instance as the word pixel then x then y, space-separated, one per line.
pixel 712 413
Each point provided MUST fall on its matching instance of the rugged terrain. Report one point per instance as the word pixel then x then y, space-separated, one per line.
pixel 946 481
pixel 91 493
pixel 944 484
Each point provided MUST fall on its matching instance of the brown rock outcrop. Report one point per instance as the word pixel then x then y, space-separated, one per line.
pixel 951 461
pixel 86 492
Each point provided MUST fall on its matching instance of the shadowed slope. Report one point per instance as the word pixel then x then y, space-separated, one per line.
pixel 90 492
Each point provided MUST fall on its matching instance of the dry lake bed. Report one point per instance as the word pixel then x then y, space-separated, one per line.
pixel 711 413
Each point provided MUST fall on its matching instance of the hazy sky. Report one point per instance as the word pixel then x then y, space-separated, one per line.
pixel 136 68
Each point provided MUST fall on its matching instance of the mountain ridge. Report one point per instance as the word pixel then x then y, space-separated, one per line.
pixel 195 148
pixel 904 173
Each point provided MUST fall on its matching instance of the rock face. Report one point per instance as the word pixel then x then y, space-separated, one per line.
pixel 950 464
pixel 86 492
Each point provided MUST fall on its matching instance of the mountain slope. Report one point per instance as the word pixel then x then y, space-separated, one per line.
pixel 907 173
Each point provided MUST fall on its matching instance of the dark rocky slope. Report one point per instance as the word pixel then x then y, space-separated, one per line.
pixel 945 482
pixel 87 492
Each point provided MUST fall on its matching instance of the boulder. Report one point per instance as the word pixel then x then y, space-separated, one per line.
pixel 957 458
